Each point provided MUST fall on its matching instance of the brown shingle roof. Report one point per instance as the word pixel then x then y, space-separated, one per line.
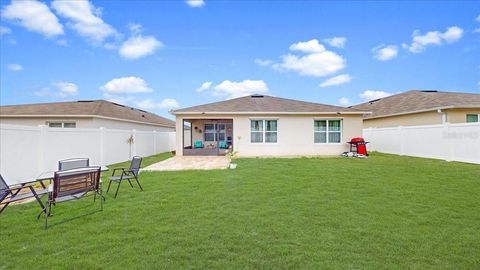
pixel 266 104
pixel 416 100
pixel 86 108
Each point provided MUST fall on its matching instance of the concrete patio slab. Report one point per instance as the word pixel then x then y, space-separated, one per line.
pixel 178 163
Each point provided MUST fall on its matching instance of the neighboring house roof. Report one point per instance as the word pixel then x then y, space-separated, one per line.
pixel 418 101
pixel 85 108
pixel 265 104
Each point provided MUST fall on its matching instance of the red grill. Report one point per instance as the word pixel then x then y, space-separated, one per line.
pixel 359 146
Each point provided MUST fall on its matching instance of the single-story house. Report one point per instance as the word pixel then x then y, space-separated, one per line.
pixel 261 125
pixel 421 107
pixel 84 114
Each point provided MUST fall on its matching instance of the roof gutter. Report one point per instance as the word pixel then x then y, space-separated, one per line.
pixel 436 109
pixel 83 116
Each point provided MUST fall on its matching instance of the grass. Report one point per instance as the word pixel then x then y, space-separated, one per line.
pixel 385 212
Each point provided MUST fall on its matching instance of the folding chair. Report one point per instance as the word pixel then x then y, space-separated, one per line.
pixel 127 174
pixel 73 185
pixel 73 163
pixel 10 194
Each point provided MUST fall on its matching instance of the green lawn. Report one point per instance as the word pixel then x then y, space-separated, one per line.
pixel 385 212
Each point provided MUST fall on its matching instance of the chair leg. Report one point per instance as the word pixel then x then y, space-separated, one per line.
pixel 118 187
pixel 136 179
pixel 109 183
pixel 130 182
pixel 3 207
pixel 47 214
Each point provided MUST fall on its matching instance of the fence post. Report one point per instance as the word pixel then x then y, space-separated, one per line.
pixel 42 148
pixel 102 146
pixel 154 142
pixel 402 140
pixel 134 133
pixel 449 142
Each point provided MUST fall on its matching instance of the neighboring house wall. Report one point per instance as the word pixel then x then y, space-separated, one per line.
pixel 36 121
pixel 460 115
pixel 414 119
pixel 417 119
pixel 295 135
pixel 87 122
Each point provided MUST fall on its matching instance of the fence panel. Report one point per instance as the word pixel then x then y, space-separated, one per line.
pixel 453 142
pixel 26 152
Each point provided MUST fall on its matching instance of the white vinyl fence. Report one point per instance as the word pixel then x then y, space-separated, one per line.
pixel 451 142
pixel 27 151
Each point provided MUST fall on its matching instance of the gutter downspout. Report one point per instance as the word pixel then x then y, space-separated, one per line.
pixel 444 115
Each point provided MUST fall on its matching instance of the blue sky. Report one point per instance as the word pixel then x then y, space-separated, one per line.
pixel 158 55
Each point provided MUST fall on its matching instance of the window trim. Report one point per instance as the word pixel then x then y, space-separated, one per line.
pixel 264 129
pixel 327 119
pixel 62 124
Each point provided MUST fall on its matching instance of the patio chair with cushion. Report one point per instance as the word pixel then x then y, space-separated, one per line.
pixel 222 145
pixel 198 144
pixel 10 194
pixel 73 163
pixel 73 185
pixel 126 174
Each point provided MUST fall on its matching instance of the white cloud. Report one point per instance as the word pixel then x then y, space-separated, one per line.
pixel 385 52
pixel 337 80
pixel 477 30
pixel 139 46
pixel 420 42
pixel 149 104
pixel 195 3
pixel 124 85
pixel 337 42
pixel 231 89
pixel 204 86
pixel 33 15
pixel 135 28
pixel 317 61
pixel 315 64
pixel 85 19
pixel 66 88
pixel 372 95
pixel 61 89
pixel 15 67
pixel 263 62
pixel 311 46
pixel 5 30
pixel 344 101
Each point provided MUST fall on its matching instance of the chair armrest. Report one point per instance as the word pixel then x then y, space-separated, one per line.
pixel 117 169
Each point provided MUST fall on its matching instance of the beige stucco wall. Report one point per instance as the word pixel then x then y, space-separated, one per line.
pixel 295 135
pixel 87 122
pixel 460 115
pixel 423 118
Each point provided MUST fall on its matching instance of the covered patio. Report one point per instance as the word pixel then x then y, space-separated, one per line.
pixel 207 137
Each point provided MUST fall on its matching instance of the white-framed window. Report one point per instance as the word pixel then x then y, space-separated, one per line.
pixel 209 133
pixel 62 124
pixel 473 118
pixel 263 131
pixel 327 131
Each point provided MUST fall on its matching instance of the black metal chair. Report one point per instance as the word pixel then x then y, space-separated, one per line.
pixel 127 174
pixel 73 185
pixel 73 163
pixel 10 194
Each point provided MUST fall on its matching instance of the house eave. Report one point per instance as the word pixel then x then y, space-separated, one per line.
pixel 82 116
pixel 424 110
pixel 274 113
